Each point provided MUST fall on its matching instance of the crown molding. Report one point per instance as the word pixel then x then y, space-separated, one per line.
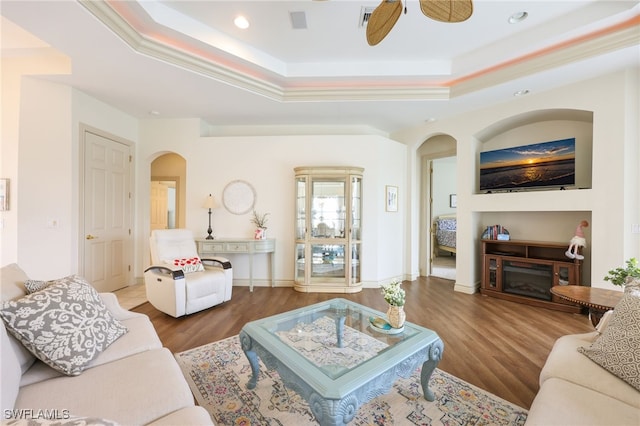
pixel 620 36
pixel 259 81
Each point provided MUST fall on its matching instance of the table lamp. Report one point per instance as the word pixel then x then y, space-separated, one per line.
pixel 210 204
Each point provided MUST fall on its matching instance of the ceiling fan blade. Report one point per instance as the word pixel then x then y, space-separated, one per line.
pixel 382 19
pixel 447 10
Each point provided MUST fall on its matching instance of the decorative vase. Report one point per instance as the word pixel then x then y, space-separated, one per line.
pixel 260 234
pixel 396 316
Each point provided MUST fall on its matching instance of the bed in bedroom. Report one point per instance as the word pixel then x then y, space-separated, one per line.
pixel 444 234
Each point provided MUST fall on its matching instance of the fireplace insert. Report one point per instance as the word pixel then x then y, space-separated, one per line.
pixel 527 279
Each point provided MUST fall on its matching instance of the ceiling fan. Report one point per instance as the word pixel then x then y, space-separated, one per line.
pixel 385 16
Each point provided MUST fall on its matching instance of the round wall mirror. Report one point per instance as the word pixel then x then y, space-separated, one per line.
pixel 239 197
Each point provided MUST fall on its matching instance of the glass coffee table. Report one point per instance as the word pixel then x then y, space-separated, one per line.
pixel 335 358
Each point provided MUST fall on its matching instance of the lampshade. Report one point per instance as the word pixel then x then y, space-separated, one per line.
pixel 210 203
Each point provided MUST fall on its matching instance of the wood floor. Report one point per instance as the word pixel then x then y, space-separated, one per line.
pixel 497 345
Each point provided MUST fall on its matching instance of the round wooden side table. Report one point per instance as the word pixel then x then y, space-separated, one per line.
pixel 598 300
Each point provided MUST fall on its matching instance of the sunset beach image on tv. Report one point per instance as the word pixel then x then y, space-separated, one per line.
pixel 546 164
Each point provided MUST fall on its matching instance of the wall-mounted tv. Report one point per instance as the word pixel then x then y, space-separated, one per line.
pixel 535 166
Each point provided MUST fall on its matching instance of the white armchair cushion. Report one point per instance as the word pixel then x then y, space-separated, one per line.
pixel 170 244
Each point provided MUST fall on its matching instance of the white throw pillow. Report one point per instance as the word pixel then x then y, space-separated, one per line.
pixel 188 265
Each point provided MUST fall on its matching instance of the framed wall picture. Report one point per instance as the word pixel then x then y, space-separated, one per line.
pixel 4 194
pixel 453 201
pixel 391 198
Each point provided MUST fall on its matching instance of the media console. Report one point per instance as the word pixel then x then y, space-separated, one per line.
pixel 525 271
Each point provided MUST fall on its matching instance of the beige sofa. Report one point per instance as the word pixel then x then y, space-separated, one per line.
pixel 574 390
pixel 134 381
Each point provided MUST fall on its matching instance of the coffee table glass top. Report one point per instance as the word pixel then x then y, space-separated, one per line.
pixel 335 337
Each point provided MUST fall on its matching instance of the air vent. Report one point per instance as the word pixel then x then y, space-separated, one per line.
pixel 365 14
pixel 298 20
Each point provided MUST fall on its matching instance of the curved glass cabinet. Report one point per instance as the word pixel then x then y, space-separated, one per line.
pixel 328 229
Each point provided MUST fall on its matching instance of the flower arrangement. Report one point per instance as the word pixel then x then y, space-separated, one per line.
pixel 393 294
pixel 260 220
pixel 619 276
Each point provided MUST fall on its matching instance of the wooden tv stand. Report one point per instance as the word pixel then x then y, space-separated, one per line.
pixel 525 271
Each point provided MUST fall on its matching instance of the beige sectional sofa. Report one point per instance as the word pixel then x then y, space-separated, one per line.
pixel 134 381
pixel 576 390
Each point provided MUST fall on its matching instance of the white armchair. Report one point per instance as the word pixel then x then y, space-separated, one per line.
pixel 173 289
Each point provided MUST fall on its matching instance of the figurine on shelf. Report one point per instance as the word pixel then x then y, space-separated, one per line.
pixel 577 241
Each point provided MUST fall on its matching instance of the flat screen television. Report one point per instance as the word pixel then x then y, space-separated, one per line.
pixel 535 166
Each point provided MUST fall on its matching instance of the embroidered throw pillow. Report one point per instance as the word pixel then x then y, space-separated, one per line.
pixel 66 325
pixel 188 265
pixel 617 349
pixel 36 285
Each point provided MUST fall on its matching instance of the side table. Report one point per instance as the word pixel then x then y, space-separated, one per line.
pixel 598 300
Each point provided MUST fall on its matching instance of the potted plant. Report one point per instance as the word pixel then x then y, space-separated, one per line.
pixel 394 295
pixel 622 276
pixel 260 221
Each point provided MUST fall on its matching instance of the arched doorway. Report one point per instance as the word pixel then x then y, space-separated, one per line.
pixel 438 184
pixel 167 195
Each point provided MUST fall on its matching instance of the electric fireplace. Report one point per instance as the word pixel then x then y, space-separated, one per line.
pixel 527 279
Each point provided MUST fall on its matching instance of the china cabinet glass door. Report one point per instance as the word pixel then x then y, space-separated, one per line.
pixel 328 229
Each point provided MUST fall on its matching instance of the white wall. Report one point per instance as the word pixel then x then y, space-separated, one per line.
pixel 44 172
pixel 267 163
pixel 444 184
pixel 43 149
pixel 45 180
pixel 612 201
pixel 13 70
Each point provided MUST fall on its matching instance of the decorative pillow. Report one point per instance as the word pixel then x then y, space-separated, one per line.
pixel 188 265
pixel 36 285
pixel 65 420
pixel 66 325
pixel 617 349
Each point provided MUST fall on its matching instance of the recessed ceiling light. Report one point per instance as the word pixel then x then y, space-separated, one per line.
pixel 241 22
pixel 154 112
pixel 521 92
pixel 430 120
pixel 518 17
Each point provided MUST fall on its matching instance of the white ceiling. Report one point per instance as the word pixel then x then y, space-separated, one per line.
pixel 186 59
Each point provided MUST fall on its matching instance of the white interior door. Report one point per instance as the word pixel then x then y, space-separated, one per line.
pixel 108 244
pixel 159 204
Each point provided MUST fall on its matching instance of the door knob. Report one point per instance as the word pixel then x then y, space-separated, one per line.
pixel 90 237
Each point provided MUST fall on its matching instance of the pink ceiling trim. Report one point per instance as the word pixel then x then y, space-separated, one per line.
pixel 634 21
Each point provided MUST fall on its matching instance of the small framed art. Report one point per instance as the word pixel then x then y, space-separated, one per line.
pixel 391 198
pixel 4 194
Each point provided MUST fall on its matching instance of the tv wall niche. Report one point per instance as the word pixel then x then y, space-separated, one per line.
pixel 568 127
pixel 544 165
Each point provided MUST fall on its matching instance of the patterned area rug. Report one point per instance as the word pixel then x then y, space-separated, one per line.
pixel 218 372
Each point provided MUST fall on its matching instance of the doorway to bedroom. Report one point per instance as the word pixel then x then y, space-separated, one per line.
pixel 443 201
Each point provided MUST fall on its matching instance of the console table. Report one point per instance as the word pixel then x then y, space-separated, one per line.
pixel 598 300
pixel 248 246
